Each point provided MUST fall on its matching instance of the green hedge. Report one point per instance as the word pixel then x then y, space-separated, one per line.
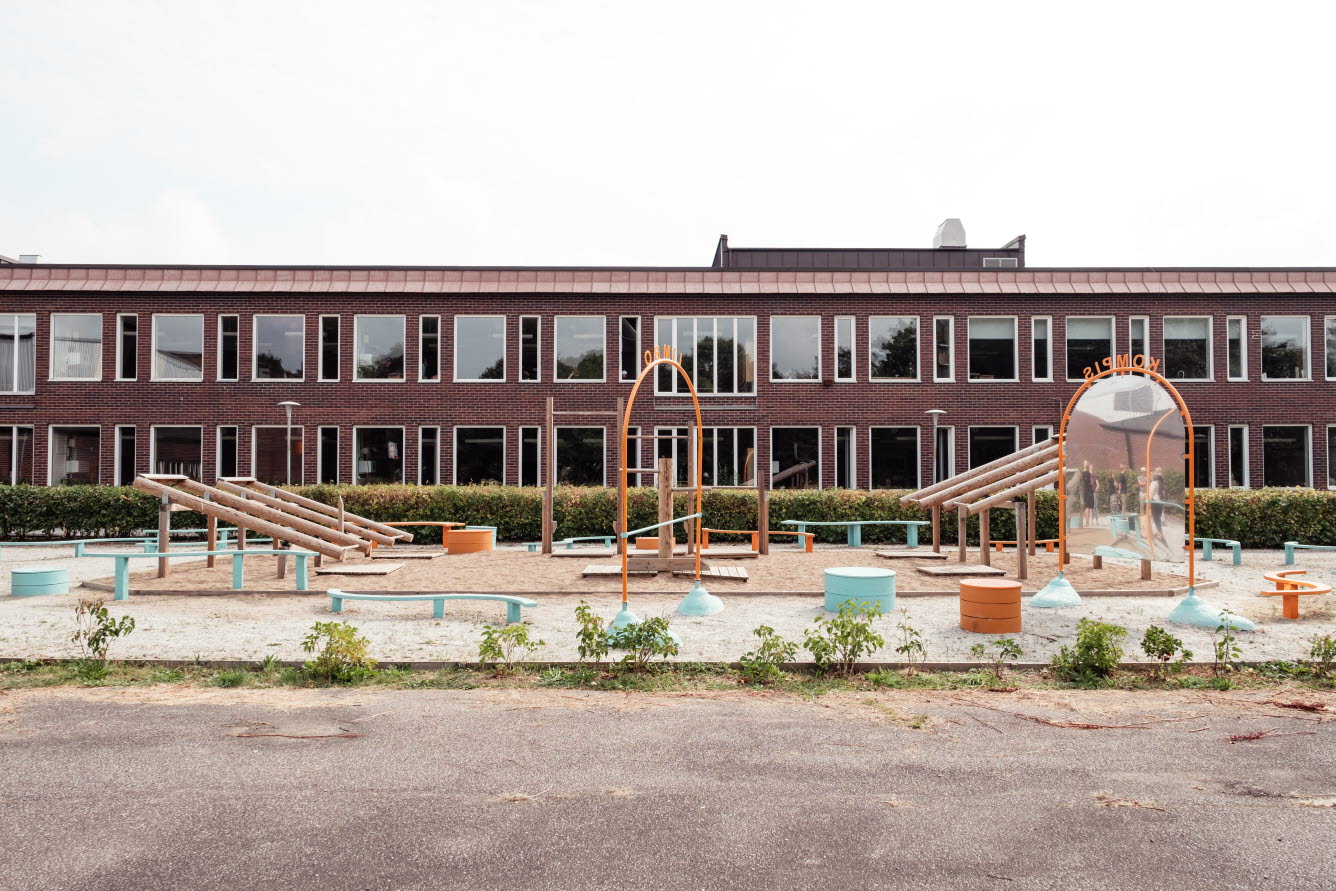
pixel 1256 517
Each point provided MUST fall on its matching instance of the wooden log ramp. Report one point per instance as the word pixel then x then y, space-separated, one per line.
pixel 250 484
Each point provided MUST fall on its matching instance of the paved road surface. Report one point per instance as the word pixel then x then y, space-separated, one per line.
pixel 185 789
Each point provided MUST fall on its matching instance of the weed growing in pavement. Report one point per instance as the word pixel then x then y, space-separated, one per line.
pixel 840 642
pixel 502 648
pixel 1094 659
pixel 761 665
pixel 1162 646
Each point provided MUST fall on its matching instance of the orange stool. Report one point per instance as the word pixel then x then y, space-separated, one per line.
pixel 469 541
pixel 647 543
pixel 1290 590
pixel 990 606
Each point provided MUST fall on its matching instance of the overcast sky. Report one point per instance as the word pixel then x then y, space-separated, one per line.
pixel 630 133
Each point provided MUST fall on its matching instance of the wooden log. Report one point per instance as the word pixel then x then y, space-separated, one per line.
pixel 961 489
pixel 1022 539
pixel 304 513
pixel 936 528
pixel 665 533
pixel 548 448
pixel 922 495
pixel 1010 494
pixel 960 532
pixel 276 517
pixel 1029 519
pixel 985 547
pixel 1145 569
pixel 1028 475
pixel 211 538
pixel 763 517
pixel 253 485
pixel 164 534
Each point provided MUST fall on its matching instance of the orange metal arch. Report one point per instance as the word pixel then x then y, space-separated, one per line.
pixel 1190 501
pixel 624 470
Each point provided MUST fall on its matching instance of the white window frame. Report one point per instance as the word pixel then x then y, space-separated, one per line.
pixel 320 346
pixel 918 453
pixel 556 323
pixel 950 451
pixel 519 455
pixel 255 346
pixel 153 444
pixel 51 346
pixel 1145 322
pixel 853 454
pixel 13 316
pixel 820 453
pixel 1067 337
pixel 299 465
pixel 950 349
pixel 116 452
pixel 422 352
pixel 1326 471
pixel 639 356
pixel 1243 347
pixel 1210 445
pixel 1034 433
pixel 1328 344
pixel 1247 480
pixel 1210 351
pixel 556 436
pixel 403 458
pixel 1308 483
pixel 120 346
pixel 505 454
pixel 14 448
pixel 438 454
pixel 1308 367
pixel 675 444
pixel 538 344
pixel 320 451
pixel 505 376
pixel 357 345
pixel 1015 352
pixel 51 444
pixel 770 349
pixel 853 349
pixel 715 394
pixel 218 349
pixel 1048 346
pixel 218 450
pixel 918 352
pixel 153 350
pixel 1016 440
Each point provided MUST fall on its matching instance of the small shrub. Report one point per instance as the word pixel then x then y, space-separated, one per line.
pixel 761 665
pixel 267 664
pixel 840 642
pixel 910 649
pixel 1162 646
pixel 642 641
pixel 592 636
pixel 231 677
pixel 505 646
pixel 342 658
pixel 1322 655
pixel 885 677
pixel 1094 658
pixel 95 629
pixel 1004 650
pixel 1225 649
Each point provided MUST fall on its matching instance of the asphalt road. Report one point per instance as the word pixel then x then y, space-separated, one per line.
pixel 165 788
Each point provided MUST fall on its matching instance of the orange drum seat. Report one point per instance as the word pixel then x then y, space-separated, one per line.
pixel 990 606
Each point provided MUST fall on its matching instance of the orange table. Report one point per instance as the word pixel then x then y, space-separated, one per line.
pixel 444 527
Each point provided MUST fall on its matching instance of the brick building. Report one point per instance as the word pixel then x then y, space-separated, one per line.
pixel 817 367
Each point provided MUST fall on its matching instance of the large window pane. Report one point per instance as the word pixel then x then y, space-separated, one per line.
pixel 728 455
pixel 630 347
pixel 1187 348
pixel 227 451
pixel 894 457
pixel 893 345
pixel 280 347
pixel 795 458
pixel 380 454
pixel 480 348
pixel 1041 349
pixel 480 455
pixel 76 347
pixel 329 454
pixel 329 348
pixel 1203 456
pixel 178 450
pixel 579 349
pixel 529 456
pixel 1238 350
pixel 1284 348
pixel 992 349
pixel 944 348
pixel 275 462
pixel 1285 456
pixel 229 347
pixel 726 347
pixel 1331 347
pixel 844 348
pixel 178 348
pixel 845 471
pixel 529 326
pixel 127 365
pixel 990 443
pixel 75 456
pixel 1331 457
pixel 429 348
pixel 16 458
pixel 380 347
pixel 125 456
pixel 429 458
pixel 1089 342
pixel 18 353
pixel 795 348
pixel 1238 456
pixel 580 452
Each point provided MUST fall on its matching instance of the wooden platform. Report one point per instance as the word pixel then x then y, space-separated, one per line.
pixel 360 569
pixel 583 553
pixel 919 554
pixel 962 570
pixel 732 573
pixel 397 554
pixel 612 571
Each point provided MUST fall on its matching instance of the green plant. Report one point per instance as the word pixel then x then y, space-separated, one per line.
pixel 267 664
pixel 642 641
pixel 761 665
pixel 503 647
pixel 885 677
pixel 1004 650
pixel 1162 646
pixel 231 677
pixel 911 643
pixel 1092 662
pixel 591 636
pixel 94 631
pixel 1322 655
pixel 840 642
pixel 343 654
pixel 1225 649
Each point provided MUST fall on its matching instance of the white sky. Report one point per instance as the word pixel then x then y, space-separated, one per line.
pixel 633 133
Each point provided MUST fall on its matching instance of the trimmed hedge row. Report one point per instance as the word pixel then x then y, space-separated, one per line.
pixel 1260 518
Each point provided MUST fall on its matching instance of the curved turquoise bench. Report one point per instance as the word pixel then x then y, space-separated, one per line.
pixel 513 604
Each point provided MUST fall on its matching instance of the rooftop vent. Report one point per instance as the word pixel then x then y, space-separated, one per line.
pixel 1000 263
pixel 951 234
pixel 30 258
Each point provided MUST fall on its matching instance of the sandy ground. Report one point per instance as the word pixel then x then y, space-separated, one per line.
pixel 244 626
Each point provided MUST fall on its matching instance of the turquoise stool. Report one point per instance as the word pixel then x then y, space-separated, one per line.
pixel 860 584
pixel 33 582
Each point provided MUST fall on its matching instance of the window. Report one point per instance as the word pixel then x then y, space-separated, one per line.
pixel 1187 348
pixel 795 348
pixel 227 451
pixel 1331 457
pixel 531 459
pixel 1203 456
pixel 795 457
pixel 944 454
pixel 1284 348
pixel 1089 342
pixel 630 347
pixel 895 457
pixel 1331 348
pixel 728 360
pixel 429 456
pixel 127 347
pixel 990 443
pixel 1041 434
pixel 275 459
pixel 1238 457
pixel 76 347
pixel 632 458
pixel 580 456
pixel 178 450
pixel 944 348
pixel 15 455
pixel 75 456
pixel 18 353
pixel 480 348
pixel 844 348
pixel 280 348
pixel 992 349
pixel 1236 333
pixel 480 455
pixel 845 465
pixel 229 347
pixel 380 348
pixel 178 348
pixel 379 454
pixel 328 457
pixel 578 347
pixel 429 348
pixel 1285 455
pixel 893 347
pixel 125 455
pixel 1041 348
pixel 728 455
pixel 1138 336
pixel 329 348
pixel 529 332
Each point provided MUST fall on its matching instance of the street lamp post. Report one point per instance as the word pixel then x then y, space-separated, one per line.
pixel 288 406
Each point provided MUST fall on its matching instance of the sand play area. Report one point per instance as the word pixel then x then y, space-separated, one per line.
pixel 783 591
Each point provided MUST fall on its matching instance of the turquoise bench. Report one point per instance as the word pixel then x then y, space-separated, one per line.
pixel 570 542
pixel 1290 547
pixel 78 543
pixel 122 591
pixel 854 528
pixel 513 604
pixel 1208 546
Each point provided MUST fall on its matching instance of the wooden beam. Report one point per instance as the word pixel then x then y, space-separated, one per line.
pixel 985 546
pixel 960 532
pixel 1000 472
pixel 277 518
pixel 253 485
pixel 548 448
pixel 1006 482
pixel 164 534
pixel 922 495
pixel 1009 494
pixel 289 507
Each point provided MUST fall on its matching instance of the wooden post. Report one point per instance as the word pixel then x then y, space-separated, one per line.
pixel 1030 521
pixel 342 521
pixel 1023 542
pixel 936 528
pixel 665 533
pixel 282 560
pixel 960 531
pixel 211 538
pixel 1145 569
pixel 549 450
pixel 164 533
pixel 622 461
pixel 763 516
pixel 984 543
pixel 692 470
